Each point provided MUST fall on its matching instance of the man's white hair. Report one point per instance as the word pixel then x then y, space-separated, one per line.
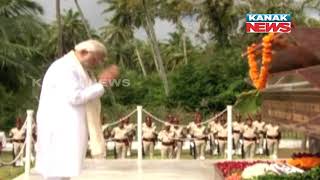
pixel 92 46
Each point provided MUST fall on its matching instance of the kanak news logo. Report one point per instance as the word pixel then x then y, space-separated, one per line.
pixel 265 23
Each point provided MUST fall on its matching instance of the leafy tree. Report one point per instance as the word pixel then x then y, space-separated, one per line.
pixel 74 31
pixel 139 13
pixel 211 83
pixel 18 56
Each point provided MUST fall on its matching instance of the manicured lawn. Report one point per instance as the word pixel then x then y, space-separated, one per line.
pixel 9 172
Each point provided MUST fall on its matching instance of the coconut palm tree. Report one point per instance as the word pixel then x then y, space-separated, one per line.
pixel 117 38
pixel 74 31
pixel 84 21
pixel 177 50
pixel 60 29
pixel 139 13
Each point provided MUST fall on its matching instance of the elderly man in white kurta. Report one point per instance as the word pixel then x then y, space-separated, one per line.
pixel 67 98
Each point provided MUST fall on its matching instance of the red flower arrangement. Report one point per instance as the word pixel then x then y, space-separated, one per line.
pixel 235 167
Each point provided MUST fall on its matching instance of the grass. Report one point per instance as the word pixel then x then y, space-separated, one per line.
pixel 9 172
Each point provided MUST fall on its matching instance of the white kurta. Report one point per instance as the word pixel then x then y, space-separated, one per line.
pixel 61 118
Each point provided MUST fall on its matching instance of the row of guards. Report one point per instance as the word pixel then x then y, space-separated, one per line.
pixel 250 136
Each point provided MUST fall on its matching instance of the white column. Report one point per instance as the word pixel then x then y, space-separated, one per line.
pixel 139 125
pixel 229 126
pixel 28 142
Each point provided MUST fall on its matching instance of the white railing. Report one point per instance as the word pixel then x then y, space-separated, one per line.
pixel 229 129
pixel 28 141
pixel 27 145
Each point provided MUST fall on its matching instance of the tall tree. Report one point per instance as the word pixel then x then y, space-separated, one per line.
pixel 149 27
pixel 139 13
pixel 220 18
pixel 84 21
pixel 177 50
pixel 19 21
pixel 74 31
pixel 60 29
pixel 19 56
pixel 117 39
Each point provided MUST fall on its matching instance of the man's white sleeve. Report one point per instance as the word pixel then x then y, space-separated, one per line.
pixel 75 92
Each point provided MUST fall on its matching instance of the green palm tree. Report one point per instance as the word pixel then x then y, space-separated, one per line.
pixel 139 13
pixel 17 27
pixel 220 18
pixel 74 31
pixel 117 39
pixel 177 50
pixel 84 21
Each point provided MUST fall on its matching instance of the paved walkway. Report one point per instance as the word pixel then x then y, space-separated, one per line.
pixel 149 170
pixel 284 143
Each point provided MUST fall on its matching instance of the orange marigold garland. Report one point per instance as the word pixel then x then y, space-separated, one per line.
pixel 260 79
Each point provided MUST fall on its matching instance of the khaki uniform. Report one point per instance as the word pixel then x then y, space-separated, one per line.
pixel 149 139
pixel 131 130
pixel 2 140
pixel 249 141
pixel 18 137
pixel 272 140
pixel 237 129
pixel 222 134
pixel 214 142
pixel 260 129
pixel 179 142
pixel 121 140
pixel 167 140
pixel 200 134
pixel 191 126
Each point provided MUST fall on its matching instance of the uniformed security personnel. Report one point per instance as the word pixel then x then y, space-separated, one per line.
pixel 131 129
pixel 259 124
pixel 250 134
pixel 107 132
pixel 199 133
pixel 190 128
pixel 18 136
pixel 213 141
pixel 120 136
pixel 167 137
pixel 180 134
pixel 170 118
pixel 221 132
pixel 149 136
pixel 273 137
pixel 237 130
pixel 192 124
pixel 2 140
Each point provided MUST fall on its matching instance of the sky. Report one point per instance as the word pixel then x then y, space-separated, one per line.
pixel 93 12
